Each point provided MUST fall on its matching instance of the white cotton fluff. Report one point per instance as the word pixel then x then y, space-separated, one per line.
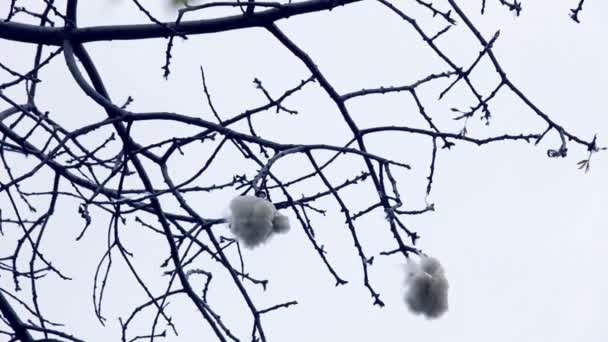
pixel 253 220
pixel 427 288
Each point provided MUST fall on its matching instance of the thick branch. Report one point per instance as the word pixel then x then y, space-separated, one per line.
pixel 15 322
pixel 55 36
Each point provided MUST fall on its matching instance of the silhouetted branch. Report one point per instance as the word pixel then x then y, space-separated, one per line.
pixel 574 12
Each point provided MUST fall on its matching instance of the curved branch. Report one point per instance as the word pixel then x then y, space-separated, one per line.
pixel 55 36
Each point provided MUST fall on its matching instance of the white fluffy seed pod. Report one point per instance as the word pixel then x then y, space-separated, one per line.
pixel 251 219
pixel 427 288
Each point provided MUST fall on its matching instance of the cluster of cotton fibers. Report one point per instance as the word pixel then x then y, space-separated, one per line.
pixel 427 288
pixel 253 220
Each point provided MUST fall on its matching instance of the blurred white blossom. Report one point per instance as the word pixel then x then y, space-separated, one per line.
pixel 427 288
pixel 253 220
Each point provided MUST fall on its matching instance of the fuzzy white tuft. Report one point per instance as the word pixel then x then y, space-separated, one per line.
pixel 253 220
pixel 427 288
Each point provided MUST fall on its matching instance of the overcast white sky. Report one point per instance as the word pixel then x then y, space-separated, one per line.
pixel 522 236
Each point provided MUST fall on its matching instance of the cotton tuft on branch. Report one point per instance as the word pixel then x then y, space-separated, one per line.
pixel 427 288
pixel 253 220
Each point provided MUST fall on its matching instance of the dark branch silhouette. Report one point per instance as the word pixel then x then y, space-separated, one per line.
pixel 574 13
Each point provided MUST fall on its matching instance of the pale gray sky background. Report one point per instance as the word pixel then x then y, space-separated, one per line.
pixel 522 236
